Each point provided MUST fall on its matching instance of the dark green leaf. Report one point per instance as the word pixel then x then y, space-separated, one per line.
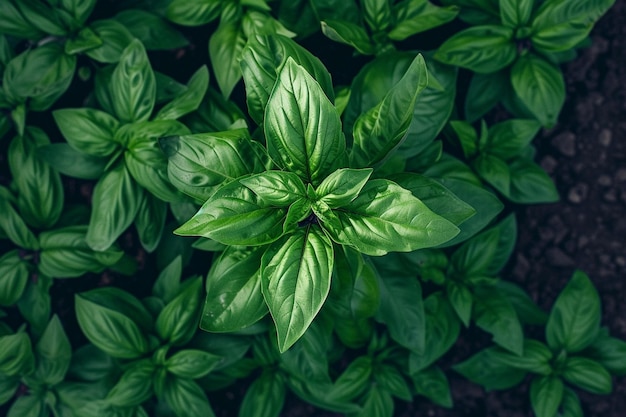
pixel 191 363
pixel 302 127
pixel 432 383
pixel 31 405
pixel 530 183
pixel 12 22
pixel 190 99
pixel 588 375
pixel 83 41
pixel 354 380
pixel 116 200
pixel 186 398
pixel 35 304
pixel 574 320
pixel 151 29
pixel 483 368
pixel 13 225
pixel 69 161
pixel 133 86
pixel 168 282
pixel 610 352
pixel 194 12
pixel 265 397
pixel 53 352
pixel 508 139
pixel 494 313
pixel 150 221
pixel 16 356
pixel 178 321
pixel 226 50
pixel 461 299
pixel 495 171
pixel 276 188
pixel 515 13
pixel 378 402
pixel 115 38
pixel 295 280
pixel 134 387
pixel 540 86
pixel 546 393
pixel 417 16
pixel 233 286
pixel 87 130
pixel 482 49
pixel 526 309
pixel 14 275
pixel 484 92
pixel 553 13
pixel 390 379
pixel 348 33
pixel 570 405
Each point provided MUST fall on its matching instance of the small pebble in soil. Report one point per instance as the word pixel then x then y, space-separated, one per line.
pixel 549 164
pixel 620 175
pixel 604 180
pixel 556 257
pixel 565 143
pixel 578 193
pixel 605 137
pixel 610 196
pixel 621 261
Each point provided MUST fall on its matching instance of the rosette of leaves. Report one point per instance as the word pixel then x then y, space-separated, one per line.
pixel 503 156
pixel 320 196
pixel 381 22
pixel 515 47
pixel 118 147
pixel 149 337
pixel 33 374
pixel 576 353
pixel 239 20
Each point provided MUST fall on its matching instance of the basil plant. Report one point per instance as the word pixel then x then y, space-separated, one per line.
pixel 282 219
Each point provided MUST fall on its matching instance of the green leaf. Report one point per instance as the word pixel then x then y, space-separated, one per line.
pixel 13 22
pixel 482 49
pixel 191 363
pixel 133 86
pixel 385 217
pixel 467 136
pixel 553 13
pixel 295 280
pixel 354 380
pixel 263 58
pixel 515 13
pixel 441 329
pixel 546 393
pixel 342 186
pixel 536 358
pixel 198 164
pixel 14 275
pixel 417 16
pixel 16 356
pixel 307 359
pixel 226 50
pixel 588 375
pixel 265 397
pixel 574 320
pixel 476 255
pixel 150 221
pixel 53 352
pixel 178 321
pixel 402 310
pixel 42 16
pixel 134 387
pixel 530 184
pixel 377 14
pixel 234 300
pixel 186 398
pixel 168 282
pixel 154 32
pixel 348 33
pixel 495 171
pixel 495 314
pixel 540 86
pixel 570 405
pixel 115 202
pixel 87 130
pixel 115 38
pixel 190 99
pixel 610 352
pixel 65 253
pixel 194 12
pixel 69 161
pixel 114 321
pixel 235 215
pixel 82 41
pixel 483 368
pixel 302 127
pixel 381 129
pixel 432 383
pixel 378 402
pixel 79 10
pixel 484 92
pixel 31 405
pixel 13 225
pixel 8 387
pixel 34 305
pixel 525 308
pixel 276 188
pixel 508 139
pixel 390 379
pixel 461 299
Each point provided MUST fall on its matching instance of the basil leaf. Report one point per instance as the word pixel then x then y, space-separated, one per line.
pixel 13 225
pixel 178 320
pixel 484 92
pixel 530 183
pixel 114 321
pixel 378 402
pixel 13 22
pixel 354 380
pixel 43 16
pixel 234 300
pixel 295 280
pixel 524 306
pixel 540 86
pixel 8 388
pixel 432 383
pixel 417 16
pixel 14 275
pixel 199 164
pixel 562 37
pixel 546 393
pixel 265 397
pixel 380 130
pixel 186 398
pixel 515 13
pixel 348 33
pixel 35 304
pixel 461 299
pixel 574 320
pixel 27 406
pixel 235 215
pixel 65 253
pixel 588 375
pixel 154 32
pixel 82 41
pixel 342 186
pixel 89 131
pixel 16 357
pixel 262 59
pixel 190 99
pixel 391 380
pixel 495 314
pixel 150 221
pixel 194 12
pixel 226 50
pixel 134 387
pixel 386 217
pixel 276 188
pixel 302 127
pixel 610 352
pixel 69 161
pixel 191 363
pixel 53 352
pixel 570 405
pixel 509 138
pixel 483 368
pixel 482 49
pixel 133 86
pixel 553 13
pixel 116 200
pixel 115 38
pixel 307 358
pixel 215 114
